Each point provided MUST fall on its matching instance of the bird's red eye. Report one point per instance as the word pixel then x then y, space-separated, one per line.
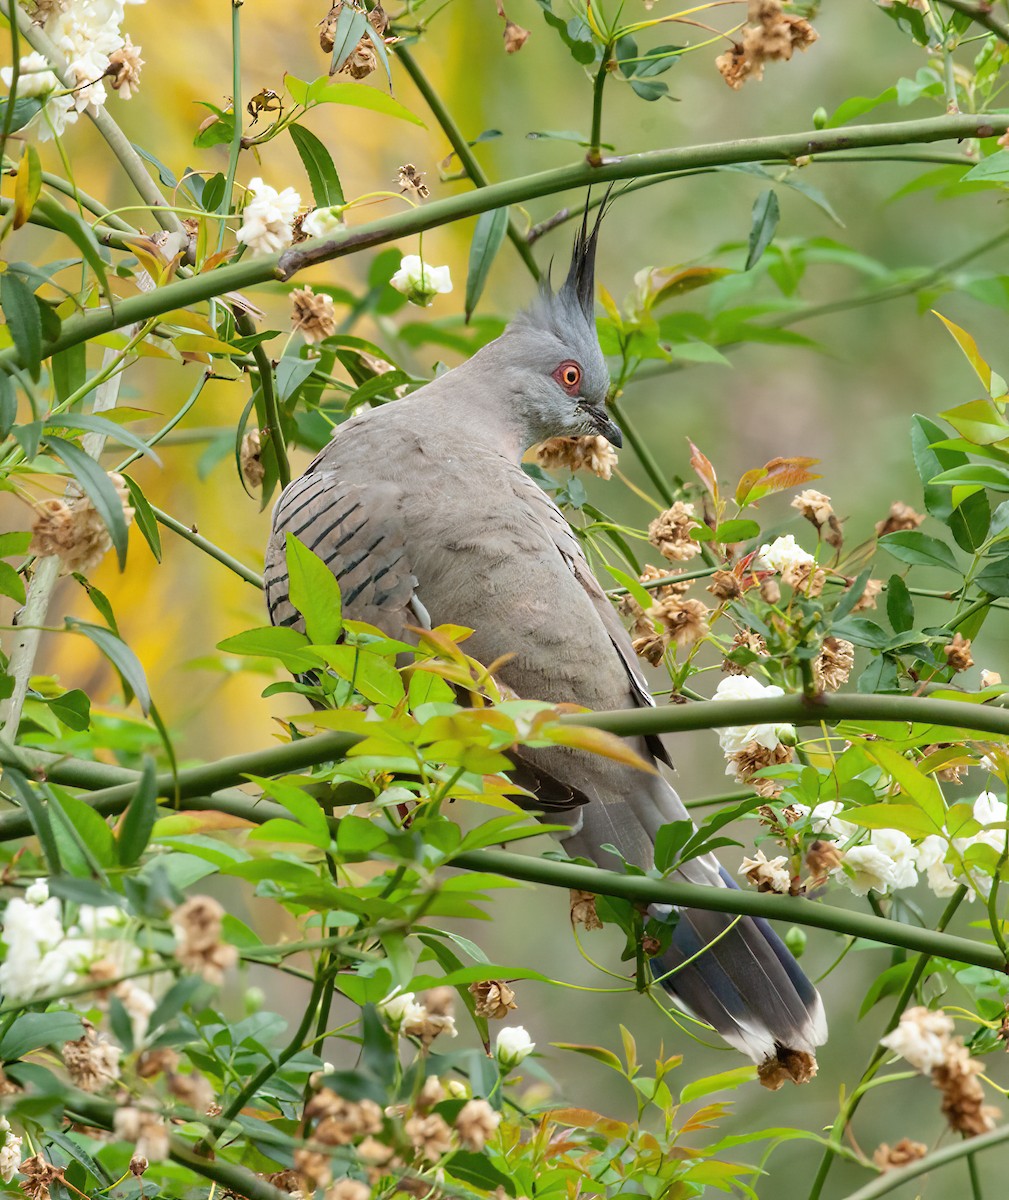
pixel 569 376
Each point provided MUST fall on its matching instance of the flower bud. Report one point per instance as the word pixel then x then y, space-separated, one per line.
pixel 795 940
pixel 820 118
pixel 512 1046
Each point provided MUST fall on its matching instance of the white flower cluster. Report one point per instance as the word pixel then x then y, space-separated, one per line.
pixel 44 957
pixel 890 860
pixel 87 33
pixel 268 218
pixel 921 1038
pixel 737 737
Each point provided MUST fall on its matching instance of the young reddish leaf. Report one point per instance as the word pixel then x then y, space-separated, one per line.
pixel 596 741
pixel 704 471
pixel 747 484
pixel 783 473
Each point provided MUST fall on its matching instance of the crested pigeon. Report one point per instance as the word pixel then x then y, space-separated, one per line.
pixel 421 509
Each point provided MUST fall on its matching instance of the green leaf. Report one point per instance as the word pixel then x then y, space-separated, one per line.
pixel 31 1031
pixel 138 821
pixel 478 1170
pixel 11 583
pixel 996 478
pixel 607 1057
pixel 314 592
pixel 979 421
pixel 856 106
pixel 318 164
pixel 99 489
pixel 763 223
pixel 357 95
pixel 904 817
pixel 993 169
pixel 372 675
pixel 912 546
pixel 899 606
pixel 28 184
pixel 69 368
pixel 488 236
pixel 289 647
pixel 79 232
pixel 85 841
pixel 922 789
pixel 98 424
pixel 25 107
pixel 23 319
pixel 994 579
pixel 350 27
pixel 969 347
pixel 73 709
pixel 738 530
pixel 723 1081
pixel 8 405
pixel 38 815
pixel 144 516
pixel 126 663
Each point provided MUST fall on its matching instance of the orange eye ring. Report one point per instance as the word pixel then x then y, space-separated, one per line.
pixel 569 376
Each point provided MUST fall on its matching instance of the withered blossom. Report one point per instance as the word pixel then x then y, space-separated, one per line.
pixel 73 529
pixel 963 1097
pixel 867 600
pixel 592 453
pixel 799 1066
pixel 92 1061
pixel 314 1167
pixel 347 1189
pixel 515 37
pixel 817 509
pixel 251 460
pixel 313 316
pixel 431 1137
pixel 821 859
pixel 832 666
pixel 583 909
pixel 670 532
pixel 900 517
pixel 145 1128
pixel 124 68
pixel 745 639
pixel 725 585
pixel 197 928
pixel 990 679
pixel 493 998
pixel 887 1158
pixel 767 875
pixel 685 620
pixel 743 764
pixel 957 653
pixel 476 1124
pixel 672 586
pixel 411 180
pixel 770 35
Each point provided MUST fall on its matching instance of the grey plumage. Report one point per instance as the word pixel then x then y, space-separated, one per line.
pixel 421 510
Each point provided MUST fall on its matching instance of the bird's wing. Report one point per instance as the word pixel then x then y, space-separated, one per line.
pixel 354 529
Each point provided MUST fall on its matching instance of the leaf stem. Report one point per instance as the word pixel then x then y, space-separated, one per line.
pixel 595 155
pixel 271 409
pixel 208 547
pixel 236 109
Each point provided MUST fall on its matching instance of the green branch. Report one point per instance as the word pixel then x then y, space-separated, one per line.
pixel 889 1181
pixel 642 889
pixel 463 150
pixel 198 540
pixel 981 12
pixel 252 271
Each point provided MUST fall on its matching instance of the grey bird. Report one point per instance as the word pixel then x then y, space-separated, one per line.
pixel 422 511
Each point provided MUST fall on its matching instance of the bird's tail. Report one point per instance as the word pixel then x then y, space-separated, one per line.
pixel 735 973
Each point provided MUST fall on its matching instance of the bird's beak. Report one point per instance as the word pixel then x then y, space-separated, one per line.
pixel 611 432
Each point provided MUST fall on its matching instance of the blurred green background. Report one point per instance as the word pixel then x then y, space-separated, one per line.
pixel 847 403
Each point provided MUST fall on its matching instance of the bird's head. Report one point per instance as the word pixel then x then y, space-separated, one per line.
pixel 558 376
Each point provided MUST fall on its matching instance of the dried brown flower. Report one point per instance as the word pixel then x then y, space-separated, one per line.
pixel 797 1065
pixel 493 998
pixel 669 533
pixel 347 1189
pixel 735 67
pixel 197 928
pixel 807 578
pixel 770 35
pixel 341 1121
pixel 314 316
pixel 958 653
pixel 146 1129
pixel 411 180
pixel 38 1176
pixel 285 1181
pixel 817 509
pixel 583 909
pixel 888 1157
pixel 581 453
pixel 651 647
pixel 154 1062
pixel 429 1025
pixel 770 590
pixel 327 29
pixel 821 859
pixel 754 757
pixel 124 68
pixel 746 639
pixel 375 1153
pixel 138 1165
pixel 476 1124
pixel 901 516
pixel 72 528
pixel 867 600
pixel 685 620
pixel 362 60
pixel 314 1167
pixel 251 458
pixel 767 875
pixel 515 37
pixel 725 585
pixel 430 1094
pixel 193 1089
pixel 91 1061
pixel 963 1096
pixel 990 679
pixel 675 587
pixel 832 666
pixel 430 1136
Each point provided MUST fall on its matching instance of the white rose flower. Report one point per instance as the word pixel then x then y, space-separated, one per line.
pixel 930 854
pixel 738 737
pixel 899 848
pixel 401 1008
pixel 824 821
pixel 866 869
pixel 513 1044
pixel 419 281
pixel 921 1038
pixel 10 1157
pixel 34 76
pixel 322 222
pixel 783 554
pixel 37 892
pixel 267 218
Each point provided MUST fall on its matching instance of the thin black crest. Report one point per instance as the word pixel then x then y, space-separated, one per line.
pixel 580 281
